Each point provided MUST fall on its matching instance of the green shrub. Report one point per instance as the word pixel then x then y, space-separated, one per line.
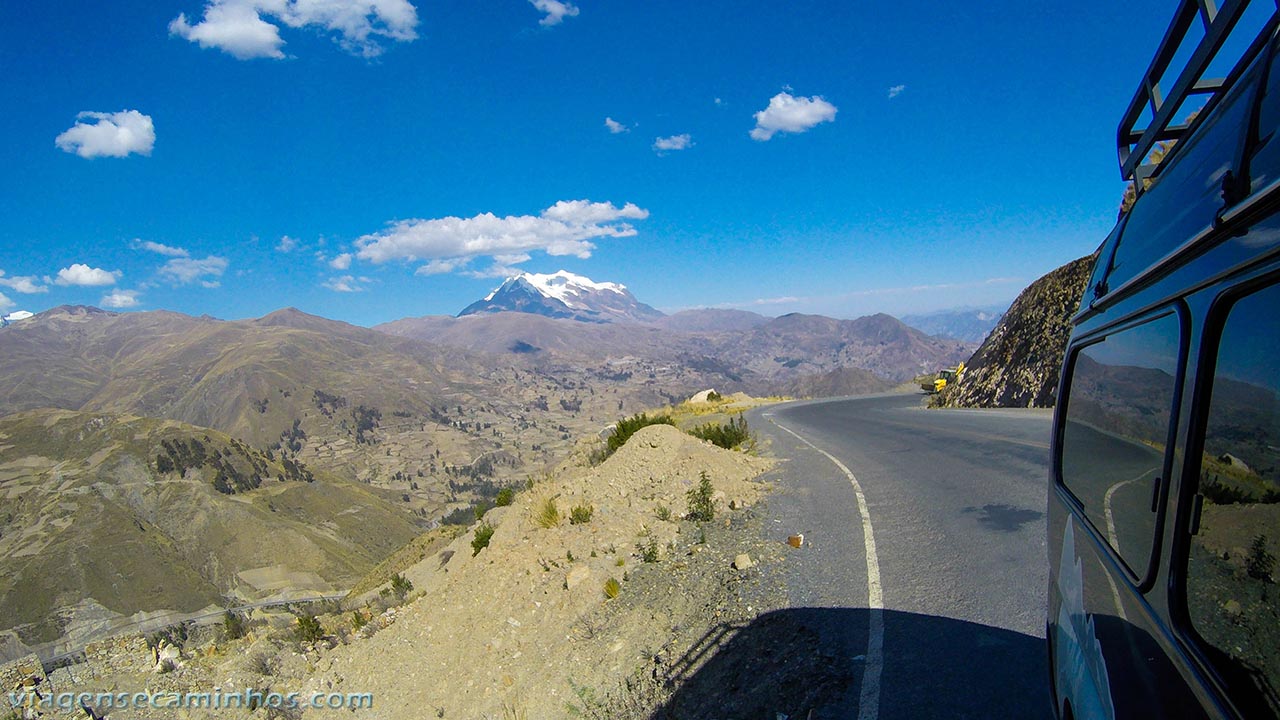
pixel 461 516
pixel 581 514
pixel 481 540
pixel 1260 563
pixel 628 427
pixel 648 552
pixel 729 435
pixel 1220 493
pixel 611 588
pixel 505 497
pixel 358 620
pixel 714 396
pixel 663 512
pixel 309 629
pixel 232 626
pixel 701 505
pixel 548 514
pixel 400 585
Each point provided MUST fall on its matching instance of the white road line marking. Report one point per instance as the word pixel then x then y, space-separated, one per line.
pixel 1106 507
pixel 1114 539
pixel 869 702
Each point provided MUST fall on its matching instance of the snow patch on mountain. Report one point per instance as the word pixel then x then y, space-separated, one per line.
pixel 563 286
pixel 564 295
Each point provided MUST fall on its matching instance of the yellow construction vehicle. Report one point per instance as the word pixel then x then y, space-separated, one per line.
pixel 943 378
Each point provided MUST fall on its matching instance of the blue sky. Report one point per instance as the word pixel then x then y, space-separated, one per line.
pixel 368 160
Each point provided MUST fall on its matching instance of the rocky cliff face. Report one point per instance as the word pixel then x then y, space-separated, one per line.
pixel 1018 364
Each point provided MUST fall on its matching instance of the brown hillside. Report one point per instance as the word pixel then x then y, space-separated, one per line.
pixel 106 516
pixel 836 383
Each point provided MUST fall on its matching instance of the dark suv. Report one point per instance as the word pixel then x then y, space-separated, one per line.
pixel 1164 498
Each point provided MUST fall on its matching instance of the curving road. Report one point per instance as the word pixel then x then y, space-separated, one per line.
pixel 925 544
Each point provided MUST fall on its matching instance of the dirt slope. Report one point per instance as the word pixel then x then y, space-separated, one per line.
pixel 523 628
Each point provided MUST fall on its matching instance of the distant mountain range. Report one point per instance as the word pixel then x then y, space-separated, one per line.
pixel 728 351
pixel 564 295
pixel 413 421
pixel 969 324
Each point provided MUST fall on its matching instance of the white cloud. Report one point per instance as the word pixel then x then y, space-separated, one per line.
pixel 448 243
pixel 346 283
pixel 287 244
pixel 120 299
pixel 614 126
pixel 675 142
pixel 341 262
pixel 5 303
pixel 504 266
pixel 555 10
pixel 791 114
pixel 513 259
pixel 85 276
pixel 23 283
pixel 237 27
pixel 440 266
pixel 160 248
pixel 585 212
pixel 896 90
pixel 185 270
pixel 112 135
pixel 496 270
pixel 785 300
pixel 901 294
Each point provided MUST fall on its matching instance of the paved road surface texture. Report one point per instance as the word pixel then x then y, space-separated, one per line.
pixel 924 551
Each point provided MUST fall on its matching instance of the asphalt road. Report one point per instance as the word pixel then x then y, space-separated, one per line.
pixel 935 582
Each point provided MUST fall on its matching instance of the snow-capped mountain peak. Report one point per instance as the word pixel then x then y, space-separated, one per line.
pixel 564 295
pixel 14 316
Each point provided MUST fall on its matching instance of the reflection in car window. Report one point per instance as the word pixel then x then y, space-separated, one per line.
pixel 1264 168
pixel 1117 421
pixel 1232 598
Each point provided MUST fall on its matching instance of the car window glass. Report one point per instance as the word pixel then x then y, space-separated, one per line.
pixel 1117 422
pixel 1232 598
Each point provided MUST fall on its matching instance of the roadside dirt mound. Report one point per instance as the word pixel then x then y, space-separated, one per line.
pixel 524 627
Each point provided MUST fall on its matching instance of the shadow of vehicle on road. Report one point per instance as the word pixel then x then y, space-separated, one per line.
pixel 807 664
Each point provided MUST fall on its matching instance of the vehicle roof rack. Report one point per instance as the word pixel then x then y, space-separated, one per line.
pixel 1133 144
